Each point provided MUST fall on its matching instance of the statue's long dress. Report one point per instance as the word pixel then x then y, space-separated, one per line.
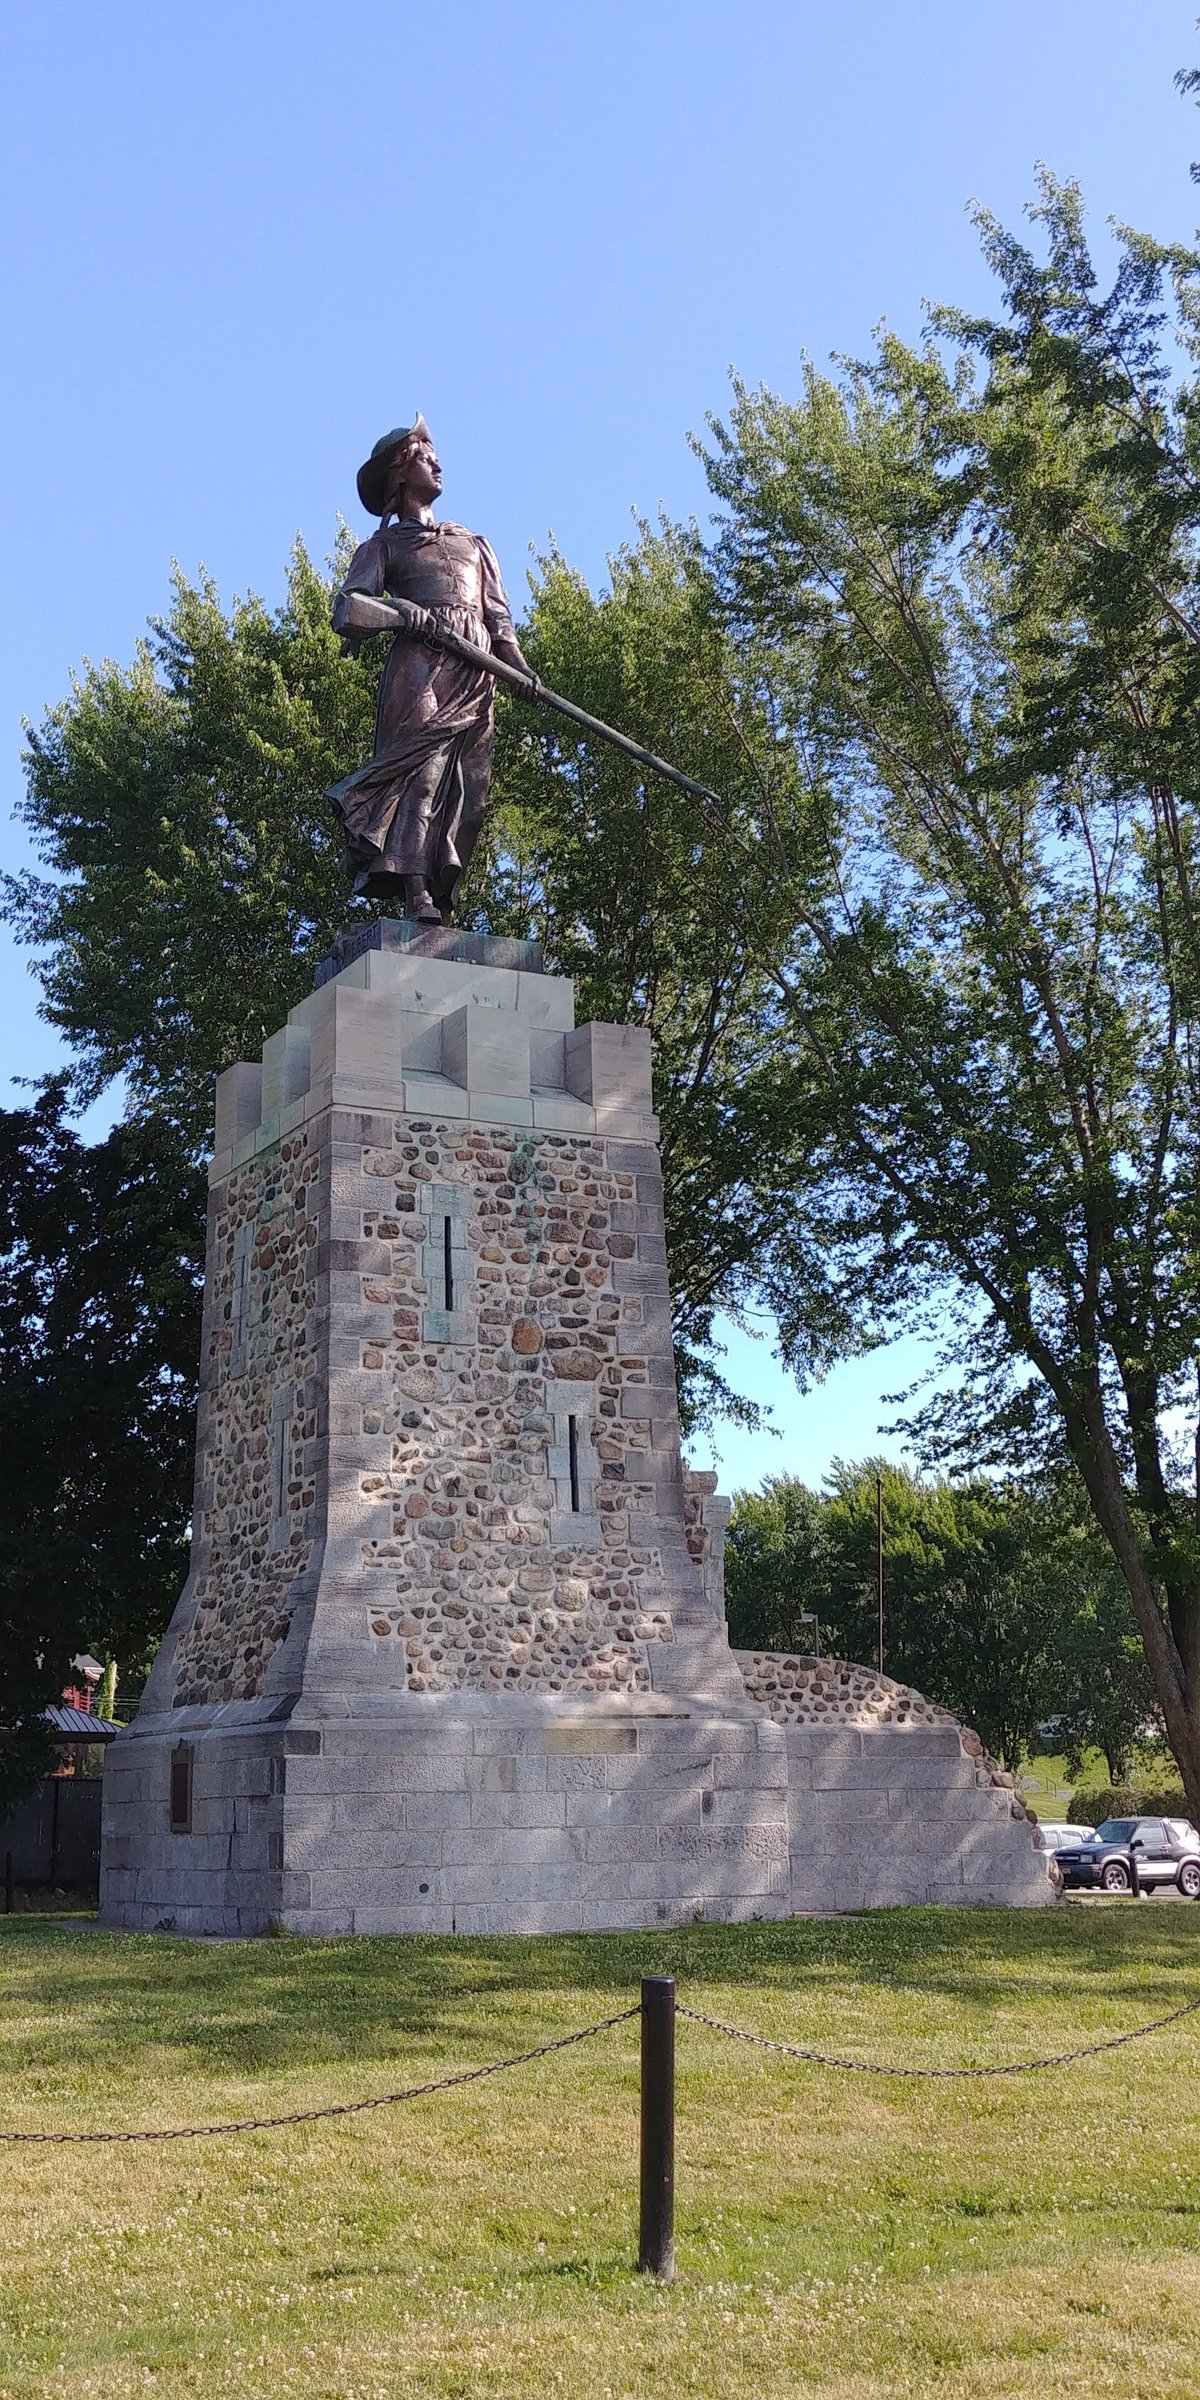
pixel 416 808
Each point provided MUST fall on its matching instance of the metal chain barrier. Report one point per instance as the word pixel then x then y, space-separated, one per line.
pixel 867 2066
pixel 341 2108
pixel 587 2033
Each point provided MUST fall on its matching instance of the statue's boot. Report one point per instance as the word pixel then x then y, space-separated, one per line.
pixel 419 903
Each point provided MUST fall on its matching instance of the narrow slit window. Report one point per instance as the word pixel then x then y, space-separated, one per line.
pixel 279 1465
pixel 181 1788
pixel 573 1460
pixel 448 1259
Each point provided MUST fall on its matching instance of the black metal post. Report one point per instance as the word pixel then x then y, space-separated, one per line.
pixel 8 1883
pixel 656 2235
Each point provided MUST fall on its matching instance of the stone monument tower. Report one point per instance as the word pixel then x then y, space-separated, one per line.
pixel 452 1656
pixel 447 1658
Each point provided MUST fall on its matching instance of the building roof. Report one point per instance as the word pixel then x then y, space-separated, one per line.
pixel 76 1725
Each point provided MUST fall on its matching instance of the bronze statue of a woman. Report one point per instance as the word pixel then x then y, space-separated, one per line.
pixel 412 814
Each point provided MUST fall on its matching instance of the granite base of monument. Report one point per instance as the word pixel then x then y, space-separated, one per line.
pixel 452 1655
pixel 501 1820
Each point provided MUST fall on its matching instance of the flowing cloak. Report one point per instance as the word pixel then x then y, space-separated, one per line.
pixel 416 808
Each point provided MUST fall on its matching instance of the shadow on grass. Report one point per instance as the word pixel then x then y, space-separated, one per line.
pixel 586 2274
pixel 593 2274
pixel 74 2001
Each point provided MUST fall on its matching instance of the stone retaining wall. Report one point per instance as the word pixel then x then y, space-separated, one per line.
pixel 891 1801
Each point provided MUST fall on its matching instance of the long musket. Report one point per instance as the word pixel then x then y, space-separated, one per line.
pixel 360 612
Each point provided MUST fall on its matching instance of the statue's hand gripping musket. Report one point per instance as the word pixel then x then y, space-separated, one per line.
pixel 361 613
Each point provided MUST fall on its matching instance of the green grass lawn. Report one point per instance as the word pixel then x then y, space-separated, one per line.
pixel 836 2234
pixel 1046 1786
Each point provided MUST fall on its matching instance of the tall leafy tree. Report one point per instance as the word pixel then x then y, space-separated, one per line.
pixel 195 874
pixel 976 567
pixel 193 869
pixel 1002 1603
pixel 99 1341
pixel 627 881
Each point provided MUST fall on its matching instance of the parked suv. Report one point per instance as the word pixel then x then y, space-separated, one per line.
pixel 1163 1849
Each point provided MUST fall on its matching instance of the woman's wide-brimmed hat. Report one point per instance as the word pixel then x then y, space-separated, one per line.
pixel 374 472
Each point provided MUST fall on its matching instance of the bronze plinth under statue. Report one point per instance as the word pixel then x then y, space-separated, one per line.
pixel 412 815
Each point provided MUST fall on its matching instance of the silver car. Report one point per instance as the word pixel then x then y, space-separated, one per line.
pixel 1057 1837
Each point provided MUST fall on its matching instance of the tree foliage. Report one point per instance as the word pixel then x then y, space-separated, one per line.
pixel 99 1341
pixel 196 875
pixel 194 870
pixel 1000 1603
pixel 976 569
pixel 626 880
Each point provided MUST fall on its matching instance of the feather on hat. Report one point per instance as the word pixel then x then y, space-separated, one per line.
pixel 375 471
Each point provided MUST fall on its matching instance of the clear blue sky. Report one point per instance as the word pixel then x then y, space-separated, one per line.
pixel 240 241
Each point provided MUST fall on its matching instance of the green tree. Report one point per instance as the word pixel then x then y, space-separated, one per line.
pixel 106 1696
pixel 1001 1602
pixel 777 1569
pixel 194 871
pixel 1107 1700
pixel 195 874
pixel 99 1341
pixel 626 880
pixel 975 567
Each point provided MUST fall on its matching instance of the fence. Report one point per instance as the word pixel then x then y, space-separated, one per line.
pixel 659 2009
pixel 53 1836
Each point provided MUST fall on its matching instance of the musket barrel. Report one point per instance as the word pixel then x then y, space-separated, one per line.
pixel 365 613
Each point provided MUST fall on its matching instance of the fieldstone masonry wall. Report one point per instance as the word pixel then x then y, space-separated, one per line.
pixel 452 1652
pixel 819 1691
pixel 890 1799
pixel 258 1454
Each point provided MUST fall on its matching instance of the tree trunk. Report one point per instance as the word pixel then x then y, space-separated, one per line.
pixel 1178 1693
